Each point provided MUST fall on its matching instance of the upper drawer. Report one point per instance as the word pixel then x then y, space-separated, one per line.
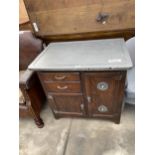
pixel 60 17
pixel 57 76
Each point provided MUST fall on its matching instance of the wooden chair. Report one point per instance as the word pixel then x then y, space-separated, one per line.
pixel 31 94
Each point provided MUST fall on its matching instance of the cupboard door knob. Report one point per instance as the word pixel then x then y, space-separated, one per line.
pixel 60 77
pixel 102 108
pixel 102 17
pixel 62 88
pixel 102 86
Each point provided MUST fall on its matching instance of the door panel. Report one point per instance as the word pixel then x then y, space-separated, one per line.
pixel 102 92
pixel 67 104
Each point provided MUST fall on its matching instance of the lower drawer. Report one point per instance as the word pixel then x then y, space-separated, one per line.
pixel 63 87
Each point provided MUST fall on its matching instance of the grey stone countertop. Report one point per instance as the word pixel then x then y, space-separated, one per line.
pixel 94 55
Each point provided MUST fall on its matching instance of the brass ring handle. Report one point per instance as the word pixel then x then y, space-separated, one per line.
pixel 59 77
pixel 62 88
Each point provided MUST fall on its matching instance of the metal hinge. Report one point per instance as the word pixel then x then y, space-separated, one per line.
pixel 82 107
pixel 50 97
pixel 89 99
pixel 35 27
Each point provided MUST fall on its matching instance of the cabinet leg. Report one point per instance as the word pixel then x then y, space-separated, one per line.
pixel 56 117
pixel 39 122
pixel 117 119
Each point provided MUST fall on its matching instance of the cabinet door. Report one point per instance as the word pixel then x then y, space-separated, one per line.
pixel 104 92
pixel 67 104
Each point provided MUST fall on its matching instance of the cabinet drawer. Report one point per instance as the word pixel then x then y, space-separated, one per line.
pixel 57 76
pixel 62 86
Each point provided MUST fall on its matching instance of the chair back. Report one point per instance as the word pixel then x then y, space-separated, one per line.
pixel 29 48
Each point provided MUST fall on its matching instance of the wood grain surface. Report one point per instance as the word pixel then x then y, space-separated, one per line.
pixel 77 19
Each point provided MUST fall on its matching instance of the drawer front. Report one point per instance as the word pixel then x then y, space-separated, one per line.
pixel 66 17
pixel 46 76
pixel 62 87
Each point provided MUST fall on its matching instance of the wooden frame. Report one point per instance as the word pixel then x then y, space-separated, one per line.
pixel 34 97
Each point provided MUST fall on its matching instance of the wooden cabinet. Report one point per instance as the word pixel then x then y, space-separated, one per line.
pixel 96 94
pixel 62 20
pixel 84 78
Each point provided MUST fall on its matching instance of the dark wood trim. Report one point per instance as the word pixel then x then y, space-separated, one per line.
pixel 126 34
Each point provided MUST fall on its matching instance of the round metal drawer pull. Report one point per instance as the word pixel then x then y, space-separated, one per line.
pixel 102 86
pixel 102 108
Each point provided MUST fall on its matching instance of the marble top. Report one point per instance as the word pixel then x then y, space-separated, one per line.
pixel 94 55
